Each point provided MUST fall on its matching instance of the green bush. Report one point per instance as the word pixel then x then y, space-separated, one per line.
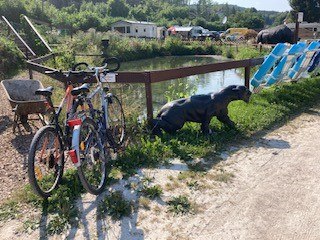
pixel 10 58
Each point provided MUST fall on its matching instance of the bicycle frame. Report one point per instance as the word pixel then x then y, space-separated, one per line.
pixel 68 101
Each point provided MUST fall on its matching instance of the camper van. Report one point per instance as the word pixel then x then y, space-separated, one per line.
pixel 234 32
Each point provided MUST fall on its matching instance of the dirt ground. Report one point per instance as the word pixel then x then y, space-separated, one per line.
pixel 13 150
pixel 274 194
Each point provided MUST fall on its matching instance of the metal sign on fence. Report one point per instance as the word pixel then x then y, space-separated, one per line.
pixel 300 17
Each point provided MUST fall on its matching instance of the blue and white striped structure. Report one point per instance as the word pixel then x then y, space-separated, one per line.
pixel 268 63
pixel 315 62
pixel 288 60
pixel 304 60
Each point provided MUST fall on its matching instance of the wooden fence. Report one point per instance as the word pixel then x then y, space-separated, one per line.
pixel 149 77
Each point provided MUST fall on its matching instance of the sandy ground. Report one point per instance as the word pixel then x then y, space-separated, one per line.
pixel 275 194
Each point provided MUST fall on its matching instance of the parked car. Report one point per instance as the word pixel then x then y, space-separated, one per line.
pixel 235 37
pixel 213 35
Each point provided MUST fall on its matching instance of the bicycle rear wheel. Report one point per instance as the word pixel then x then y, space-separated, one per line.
pixel 116 120
pixel 93 158
pixel 45 161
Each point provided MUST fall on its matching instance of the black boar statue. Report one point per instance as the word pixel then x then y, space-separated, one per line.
pixel 274 35
pixel 200 109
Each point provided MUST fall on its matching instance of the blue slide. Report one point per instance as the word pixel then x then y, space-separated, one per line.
pixel 304 60
pixel 268 63
pixel 315 62
pixel 287 61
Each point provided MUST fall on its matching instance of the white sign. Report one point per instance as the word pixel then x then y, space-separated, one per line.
pixel 300 17
pixel 109 77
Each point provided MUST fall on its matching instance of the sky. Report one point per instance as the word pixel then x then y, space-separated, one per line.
pixel 272 5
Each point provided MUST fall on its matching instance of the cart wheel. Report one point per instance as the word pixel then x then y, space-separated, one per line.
pixel 24 118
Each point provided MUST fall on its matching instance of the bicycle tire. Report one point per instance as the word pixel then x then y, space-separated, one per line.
pixel 99 164
pixel 33 171
pixel 116 122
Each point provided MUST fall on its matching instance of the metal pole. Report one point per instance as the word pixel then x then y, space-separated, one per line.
pixel 148 88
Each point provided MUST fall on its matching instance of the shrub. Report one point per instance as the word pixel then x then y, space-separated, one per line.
pixel 181 205
pixel 115 206
pixel 10 58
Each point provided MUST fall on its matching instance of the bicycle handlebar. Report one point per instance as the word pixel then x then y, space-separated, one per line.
pixel 86 73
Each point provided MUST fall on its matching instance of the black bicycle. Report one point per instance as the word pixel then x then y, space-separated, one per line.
pixel 46 155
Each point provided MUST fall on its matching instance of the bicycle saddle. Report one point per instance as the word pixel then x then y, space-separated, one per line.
pixel 84 88
pixel 44 91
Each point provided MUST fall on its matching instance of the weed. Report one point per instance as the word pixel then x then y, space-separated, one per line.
pixel 193 184
pixel 31 225
pixel 157 209
pixel 223 177
pixel 180 205
pixel 9 210
pixel 173 185
pixel 170 178
pixel 144 202
pixel 147 180
pixel 151 192
pixel 115 206
pixel 190 175
pixel 57 225
pixel 115 173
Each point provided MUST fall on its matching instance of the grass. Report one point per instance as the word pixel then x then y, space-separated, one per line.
pixel 151 192
pixel 57 225
pixel 223 177
pixel 31 225
pixel 181 205
pixel 144 202
pixel 115 206
pixel 9 210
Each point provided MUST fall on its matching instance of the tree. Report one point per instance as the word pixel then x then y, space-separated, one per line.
pixel 12 9
pixel 118 8
pixel 310 8
pixel 139 12
pixel 249 18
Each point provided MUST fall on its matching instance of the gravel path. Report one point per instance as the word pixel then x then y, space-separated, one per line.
pixel 13 150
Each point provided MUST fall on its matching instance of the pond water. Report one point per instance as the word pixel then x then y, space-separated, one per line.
pixel 133 95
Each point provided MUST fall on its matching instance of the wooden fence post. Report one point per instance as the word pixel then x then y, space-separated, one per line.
pixel 30 70
pixel 247 76
pixel 148 88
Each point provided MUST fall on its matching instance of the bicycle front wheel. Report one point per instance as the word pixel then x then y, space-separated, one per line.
pixel 45 161
pixel 116 120
pixel 93 158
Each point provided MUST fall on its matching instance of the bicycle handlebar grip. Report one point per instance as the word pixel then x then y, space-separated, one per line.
pixel 79 64
pixel 113 60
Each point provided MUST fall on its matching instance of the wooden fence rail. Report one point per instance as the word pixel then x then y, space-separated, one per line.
pixel 149 77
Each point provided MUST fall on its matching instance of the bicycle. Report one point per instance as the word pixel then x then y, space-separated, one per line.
pixel 92 136
pixel 46 155
pixel 110 135
pixel 109 115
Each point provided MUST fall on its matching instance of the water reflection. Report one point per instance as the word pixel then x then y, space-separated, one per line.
pixel 133 95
